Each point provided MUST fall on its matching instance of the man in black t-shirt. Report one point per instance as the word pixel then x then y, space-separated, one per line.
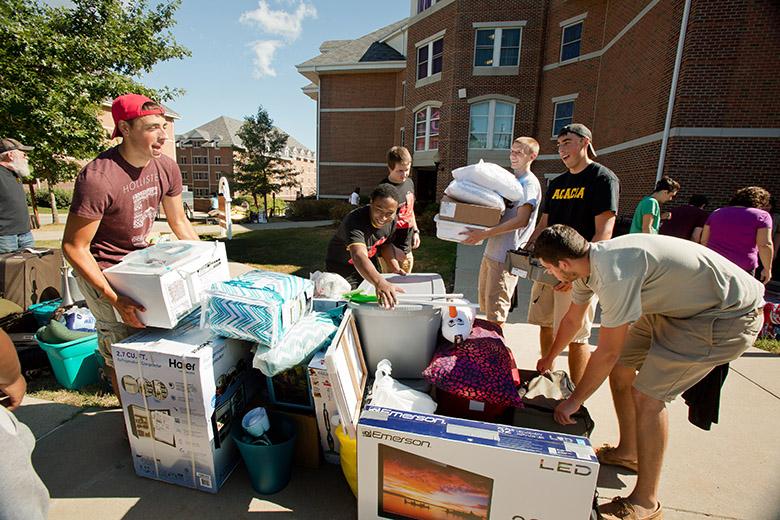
pixel 407 235
pixel 585 198
pixel 363 233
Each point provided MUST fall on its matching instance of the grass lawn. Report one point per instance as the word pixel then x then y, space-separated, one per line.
pixel 46 387
pixel 302 251
pixel 770 345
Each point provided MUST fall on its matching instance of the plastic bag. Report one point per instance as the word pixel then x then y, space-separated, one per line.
pixel 467 191
pixel 491 176
pixel 456 324
pixel 390 393
pixel 329 285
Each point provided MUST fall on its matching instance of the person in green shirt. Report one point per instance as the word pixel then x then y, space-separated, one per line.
pixel 647 216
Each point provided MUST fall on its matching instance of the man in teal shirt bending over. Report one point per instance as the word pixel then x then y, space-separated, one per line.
pixel 647 216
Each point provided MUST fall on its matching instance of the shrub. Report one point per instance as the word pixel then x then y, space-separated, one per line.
pixel 62 197
pixel 339 211
pixel 311 209
pixel 425 222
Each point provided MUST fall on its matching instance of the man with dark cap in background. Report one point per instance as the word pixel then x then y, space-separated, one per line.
pixel 14 218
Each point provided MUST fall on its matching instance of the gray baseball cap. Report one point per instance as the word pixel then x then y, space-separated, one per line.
pixel 7 144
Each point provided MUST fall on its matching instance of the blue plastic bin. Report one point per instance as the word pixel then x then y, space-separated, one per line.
pixel 75 362
pixel 269 467
pixel 42 312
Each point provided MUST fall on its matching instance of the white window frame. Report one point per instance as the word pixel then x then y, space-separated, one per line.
pixel 492 122
pixel 557 101
pixel 201 192
pixel 217 159
pixel 580 21
pixel 498 29
pixel 433 2
pixel 429 68
pixel 427 109
pixel 200 159
pixel 200 176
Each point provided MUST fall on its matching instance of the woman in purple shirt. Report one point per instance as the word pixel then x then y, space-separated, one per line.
pixel 742 231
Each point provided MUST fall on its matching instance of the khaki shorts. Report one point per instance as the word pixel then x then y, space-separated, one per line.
pixel 548 307
pixel 496 286
pixel 673 354
pixel 109 329
pixel 406 265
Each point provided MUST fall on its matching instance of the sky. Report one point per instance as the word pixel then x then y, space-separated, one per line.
pixel 244 55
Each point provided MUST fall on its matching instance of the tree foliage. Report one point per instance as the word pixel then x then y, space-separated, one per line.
pixel 58 64
pixel 261 170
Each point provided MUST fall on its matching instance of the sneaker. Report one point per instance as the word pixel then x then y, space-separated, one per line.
pixel 621 509
pixel 606 455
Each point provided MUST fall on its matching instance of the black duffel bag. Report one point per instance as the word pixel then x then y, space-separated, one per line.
pixel 540 395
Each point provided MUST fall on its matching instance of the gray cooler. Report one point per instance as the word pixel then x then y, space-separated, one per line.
pixel 406 335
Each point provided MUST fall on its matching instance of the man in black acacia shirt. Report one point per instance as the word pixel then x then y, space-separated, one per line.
pixel 585 198
pixel 363 233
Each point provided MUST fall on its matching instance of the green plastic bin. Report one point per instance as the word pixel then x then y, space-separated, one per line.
pixel 74 363
pixel 269 467
pixel 43 311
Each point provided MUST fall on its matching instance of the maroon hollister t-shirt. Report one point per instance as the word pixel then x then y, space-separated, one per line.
pixel 125 200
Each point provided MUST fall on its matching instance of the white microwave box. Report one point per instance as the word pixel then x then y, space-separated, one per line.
pixel 411 462
pixel 182 391
pixel 324 407
pixel 169 278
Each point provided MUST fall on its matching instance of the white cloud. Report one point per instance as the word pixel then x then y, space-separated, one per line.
pixel 280 22
pixel 264 56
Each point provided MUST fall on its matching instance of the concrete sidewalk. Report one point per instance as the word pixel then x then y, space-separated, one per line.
pixel 731 472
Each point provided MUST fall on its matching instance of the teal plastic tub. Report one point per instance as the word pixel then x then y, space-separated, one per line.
pixel 74 363
pixel 43 311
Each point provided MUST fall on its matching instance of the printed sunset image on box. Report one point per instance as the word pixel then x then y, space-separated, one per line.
pixel 415 487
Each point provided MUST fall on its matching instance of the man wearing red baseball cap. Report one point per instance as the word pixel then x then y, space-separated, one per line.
pixel 115 203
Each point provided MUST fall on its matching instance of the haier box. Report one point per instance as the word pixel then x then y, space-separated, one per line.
pixel 169 279
pixel 182 391
pixel 429 466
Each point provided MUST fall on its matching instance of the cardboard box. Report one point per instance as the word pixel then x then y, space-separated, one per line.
pixel 169 279
pixel 307 444
pixel 182 391
pixel 324 407
pixel 521 264
pixel 451 209
pixel 411 463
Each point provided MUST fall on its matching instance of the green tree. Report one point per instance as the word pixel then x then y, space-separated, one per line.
pixel 58 64
pixel 261 170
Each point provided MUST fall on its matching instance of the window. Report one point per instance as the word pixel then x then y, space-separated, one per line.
pixel 422 5
pixel 403 136
pixel 200 160
pixel 491 125
pixel 499 47
pixel 564 115
pixel 426 129
pixel 182 160
pixel 217 159
pixel 185 176
pixel 200 176
pixel 570 41
pixel 429 58
pixel 201 192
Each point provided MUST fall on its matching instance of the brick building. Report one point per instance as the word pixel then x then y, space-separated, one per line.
pixel 207 153
pixel 457 80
